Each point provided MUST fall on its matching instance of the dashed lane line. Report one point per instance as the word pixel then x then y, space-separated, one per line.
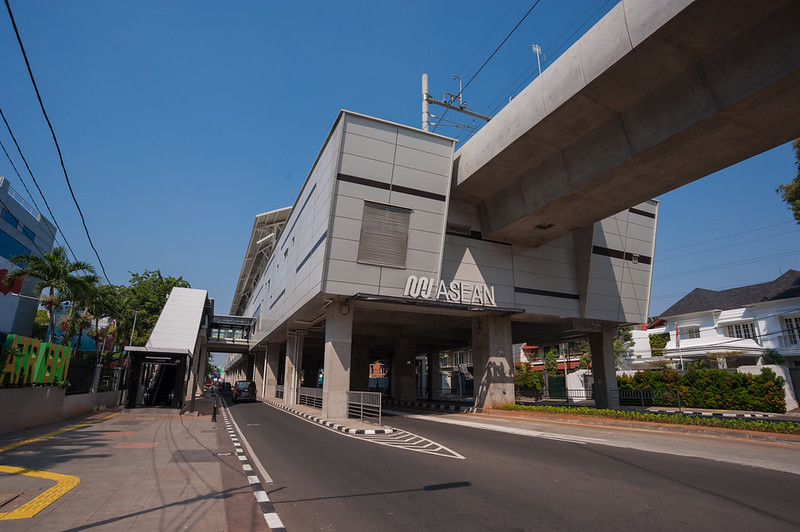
pixel 267 509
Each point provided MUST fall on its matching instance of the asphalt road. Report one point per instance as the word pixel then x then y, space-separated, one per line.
pixel 473 479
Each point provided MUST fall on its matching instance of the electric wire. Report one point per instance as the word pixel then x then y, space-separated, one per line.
pixel 50 230
pixel 738 243
pixel 55 141
pixel 24 160
pixel 490 57
pixel 727 265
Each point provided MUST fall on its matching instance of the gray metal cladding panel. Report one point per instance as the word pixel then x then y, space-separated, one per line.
pixel 420 160
pixel 419 180
pixel 346 228
pixel 428 222
pixel 416 203
pixel 421 142
pixel 362 192
pixel 365 167
pixel 422 260
pixel 368 148
pixel 354 273
pixel 424 241
pixel 371 128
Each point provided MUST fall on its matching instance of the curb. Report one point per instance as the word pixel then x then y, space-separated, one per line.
pixel 433 406
pixel 727 415
pixel 329 424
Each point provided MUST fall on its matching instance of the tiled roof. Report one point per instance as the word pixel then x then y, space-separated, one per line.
pixel 784 287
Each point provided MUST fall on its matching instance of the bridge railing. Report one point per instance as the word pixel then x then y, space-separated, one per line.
pixel 365 406
pixel 310 397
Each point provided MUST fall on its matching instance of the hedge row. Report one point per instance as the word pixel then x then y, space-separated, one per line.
pixel 714 388
pixel 782 427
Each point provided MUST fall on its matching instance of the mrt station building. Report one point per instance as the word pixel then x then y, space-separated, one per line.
pixel 383 259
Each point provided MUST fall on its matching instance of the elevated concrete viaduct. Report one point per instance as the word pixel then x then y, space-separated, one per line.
pixel 657 94
pixel 541 228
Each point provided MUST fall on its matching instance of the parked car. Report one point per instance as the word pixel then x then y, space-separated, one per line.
pixel 244 391
pixel 226 386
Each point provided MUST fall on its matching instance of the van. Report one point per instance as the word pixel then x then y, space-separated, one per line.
pixel 244 391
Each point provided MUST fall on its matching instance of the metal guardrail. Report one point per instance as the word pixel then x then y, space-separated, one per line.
pixel 648 397
pixel 310 397
pixel 279 391
pixel 572 394
pixel 364 406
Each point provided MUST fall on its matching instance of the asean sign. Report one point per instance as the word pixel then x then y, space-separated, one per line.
pixel 453 292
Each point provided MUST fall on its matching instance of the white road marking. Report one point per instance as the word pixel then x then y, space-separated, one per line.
pixel 496 428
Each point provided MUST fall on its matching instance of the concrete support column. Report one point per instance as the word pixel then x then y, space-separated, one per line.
pixel 271 373
pixel 434 375
pixel 338 347
pixel 359 369
pixel 404 369
pixel 258 371
pixel 493 359
pixel 291 370
pixel 603 367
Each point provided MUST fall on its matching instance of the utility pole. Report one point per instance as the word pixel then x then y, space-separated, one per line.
pixel 461 107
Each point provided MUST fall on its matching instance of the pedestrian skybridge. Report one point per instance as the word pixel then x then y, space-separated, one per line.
pixel 230 334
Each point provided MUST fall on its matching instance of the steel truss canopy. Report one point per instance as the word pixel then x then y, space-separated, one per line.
pixel 266 232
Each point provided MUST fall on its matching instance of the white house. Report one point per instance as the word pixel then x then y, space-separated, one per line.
pixel 734 326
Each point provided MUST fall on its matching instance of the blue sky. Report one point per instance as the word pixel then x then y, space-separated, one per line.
pixel 180 121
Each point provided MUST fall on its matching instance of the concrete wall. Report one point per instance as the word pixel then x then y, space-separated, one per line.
pixel 30 407
pixel 75 405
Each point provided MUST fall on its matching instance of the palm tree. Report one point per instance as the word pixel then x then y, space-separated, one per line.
pixel 54 271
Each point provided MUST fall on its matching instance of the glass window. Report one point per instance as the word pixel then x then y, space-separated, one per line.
pixel 792 329
pixel 30 234
pixel 10 247
pixel 688 333
pixel 740 330
pixel 10 218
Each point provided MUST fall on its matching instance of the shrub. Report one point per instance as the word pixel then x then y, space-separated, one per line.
pixel 714 388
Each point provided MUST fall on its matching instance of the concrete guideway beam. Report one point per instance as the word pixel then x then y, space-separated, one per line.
pixel 657 94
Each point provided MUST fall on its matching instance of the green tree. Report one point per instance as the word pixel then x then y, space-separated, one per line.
pixel 551 362
pixel 40 325
pixel 791 192
pixel 144 298
pixel 623 343
pixel 54 271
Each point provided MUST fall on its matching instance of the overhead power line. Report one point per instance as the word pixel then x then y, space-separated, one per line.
pixel 55 141
pixel 490 57
pixel 24 160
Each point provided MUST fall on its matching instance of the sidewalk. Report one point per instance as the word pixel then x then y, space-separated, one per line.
pixel 144 469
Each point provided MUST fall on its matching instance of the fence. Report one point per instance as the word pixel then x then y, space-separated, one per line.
pixel 648 397
pixel 310 397
pixel 279 391
pixel 80 374
pixel 564 394
pixel 364 406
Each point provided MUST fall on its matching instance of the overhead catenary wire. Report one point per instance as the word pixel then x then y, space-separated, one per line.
pixel 25 161
pixel 490 57
pixel 55 141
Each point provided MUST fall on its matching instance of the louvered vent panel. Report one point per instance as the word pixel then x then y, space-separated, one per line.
pixel 384 235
